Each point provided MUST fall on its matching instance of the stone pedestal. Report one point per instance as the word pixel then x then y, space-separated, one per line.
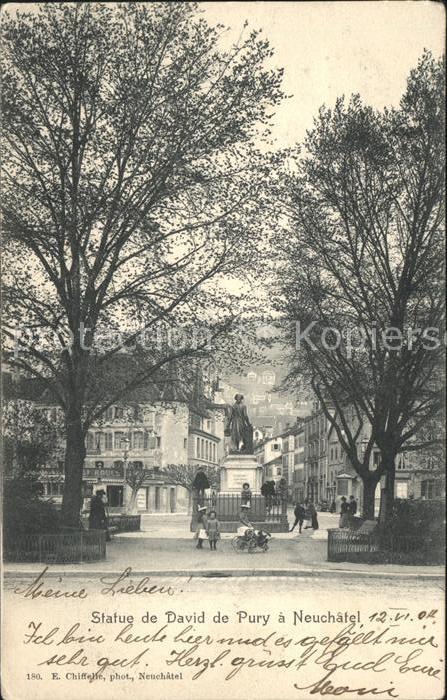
pixel 236 470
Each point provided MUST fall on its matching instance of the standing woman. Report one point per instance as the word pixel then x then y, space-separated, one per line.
pixel 344 513
pixel 98 519
pixel 314 517
pixel 311 517
pixel 202 526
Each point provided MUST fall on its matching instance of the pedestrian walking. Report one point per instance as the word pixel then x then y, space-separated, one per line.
pixel 299 513
pixel 202 524
pixel 344 513
pixel 213 529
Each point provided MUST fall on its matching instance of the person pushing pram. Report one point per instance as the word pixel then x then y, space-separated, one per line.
pixel 247 530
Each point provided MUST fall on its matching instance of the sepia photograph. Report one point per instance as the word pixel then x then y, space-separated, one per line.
pixel 223 350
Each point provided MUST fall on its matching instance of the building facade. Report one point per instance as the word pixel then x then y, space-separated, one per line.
pixel 152 430
pixel 329 474
pixel 268 454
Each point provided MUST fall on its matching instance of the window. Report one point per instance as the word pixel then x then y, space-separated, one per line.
pixel 108 441
pixel 119 412
pixel 428 489
pixel 185 443
pixel 158 441
pixel 401 489
pixel 109 413
pixel 118 441
pixel 138 413
pixel 55 488
pixel 268 378
pixel 206 450
pixel 149 418
pixel 99 441
pixel 90 442
pixel 138 440
pixel 115 496
pixel 342 487
pixel 198 448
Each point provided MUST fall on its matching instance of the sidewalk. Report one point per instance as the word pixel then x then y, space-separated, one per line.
pixel 165 546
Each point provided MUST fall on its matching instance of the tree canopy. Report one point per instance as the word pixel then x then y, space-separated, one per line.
pixel 131 188
pixel 362 275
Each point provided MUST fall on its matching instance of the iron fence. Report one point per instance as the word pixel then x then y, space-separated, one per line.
pixel 383 547
pixel 62 548
pixel 124 523
pixel 228 507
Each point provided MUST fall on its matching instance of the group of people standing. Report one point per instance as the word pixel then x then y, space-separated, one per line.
pixel 348 509
pixel 208 527
pixel 305 513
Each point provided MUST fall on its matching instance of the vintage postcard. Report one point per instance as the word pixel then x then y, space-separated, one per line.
pixel 223 338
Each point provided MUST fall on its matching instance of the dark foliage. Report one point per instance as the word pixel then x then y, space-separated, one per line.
pixel 24 511
pixel 417 518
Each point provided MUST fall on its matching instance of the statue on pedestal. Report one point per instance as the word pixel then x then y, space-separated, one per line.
pixel 239 428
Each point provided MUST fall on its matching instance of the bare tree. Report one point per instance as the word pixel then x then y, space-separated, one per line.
pixel 136 475
pixel 184 475
pixel 364 269
pixel 130 189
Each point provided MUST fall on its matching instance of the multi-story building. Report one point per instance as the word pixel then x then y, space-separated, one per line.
pixel 329 474
pixel 315 455
pixel 297 475
pixel 206 427
pixel 268 454
pixel 293 460
pixel 151 430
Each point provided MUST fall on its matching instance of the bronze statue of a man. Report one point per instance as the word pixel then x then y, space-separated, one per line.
pixel 238 427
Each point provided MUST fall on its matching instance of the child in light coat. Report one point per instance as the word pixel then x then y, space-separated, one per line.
pixel 202 523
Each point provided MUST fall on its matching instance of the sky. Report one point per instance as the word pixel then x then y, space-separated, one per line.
pixel 328 49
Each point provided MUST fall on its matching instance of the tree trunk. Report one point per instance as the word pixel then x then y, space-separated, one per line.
pixel 369 496
pixel 74 465
pixel 387 494
pixel 131 507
